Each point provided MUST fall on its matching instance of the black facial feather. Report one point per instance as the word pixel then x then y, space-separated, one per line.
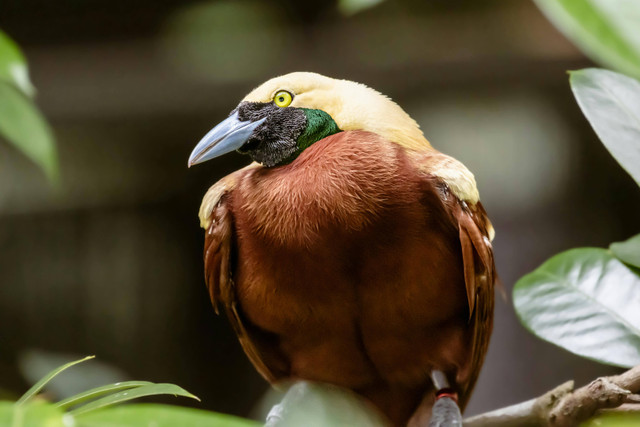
pixel 274 141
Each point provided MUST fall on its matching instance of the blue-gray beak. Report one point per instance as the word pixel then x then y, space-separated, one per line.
pixel 227 136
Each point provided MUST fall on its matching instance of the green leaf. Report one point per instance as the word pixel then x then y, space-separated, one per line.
pixel 123 396
pixel 628 251
pixel 319 405
pixel 144 415
pixel 34 364
pixel 22 124
pixel 13 67
pixel 94 393
pixel 585 301
pixel 611 103
pixel 37 414
pixel 614 420
pixel 351 7
pixel 35 389
pixel 606 30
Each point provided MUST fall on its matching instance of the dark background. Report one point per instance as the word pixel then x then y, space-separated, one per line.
pixel 111 263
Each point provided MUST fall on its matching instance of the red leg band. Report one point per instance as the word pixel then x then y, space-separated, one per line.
pixel 447 392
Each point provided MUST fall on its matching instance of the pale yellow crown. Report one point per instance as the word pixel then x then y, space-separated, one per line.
pixel 353 106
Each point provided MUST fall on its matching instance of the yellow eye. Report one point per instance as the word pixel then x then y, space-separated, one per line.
pixel 282 98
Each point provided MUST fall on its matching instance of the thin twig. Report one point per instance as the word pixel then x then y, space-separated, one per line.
pixel 565 407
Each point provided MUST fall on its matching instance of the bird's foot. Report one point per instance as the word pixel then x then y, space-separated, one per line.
pixel 445 412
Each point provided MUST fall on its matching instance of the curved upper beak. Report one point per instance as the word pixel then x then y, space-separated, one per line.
pixel 227 136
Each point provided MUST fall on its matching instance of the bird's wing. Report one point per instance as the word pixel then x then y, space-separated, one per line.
pixel 219 258
pixel 480 278
pixel 475 232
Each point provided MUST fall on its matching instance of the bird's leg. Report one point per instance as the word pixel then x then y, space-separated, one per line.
pixel 445 411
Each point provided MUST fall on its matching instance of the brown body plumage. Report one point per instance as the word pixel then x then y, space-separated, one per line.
pixel 354 265
pixel 357 254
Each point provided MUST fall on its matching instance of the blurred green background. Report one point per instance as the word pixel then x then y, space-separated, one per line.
pixel 110 263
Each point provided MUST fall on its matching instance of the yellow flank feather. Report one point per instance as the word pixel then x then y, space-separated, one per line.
pixel 354 106
pixel 460 180
pixel 215 193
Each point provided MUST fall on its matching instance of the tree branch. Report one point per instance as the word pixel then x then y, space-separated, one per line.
pixel 565 407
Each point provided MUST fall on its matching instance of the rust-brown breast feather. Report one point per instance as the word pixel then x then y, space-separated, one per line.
pixel 353 266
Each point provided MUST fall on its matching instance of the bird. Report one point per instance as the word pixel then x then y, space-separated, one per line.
pixel 349 251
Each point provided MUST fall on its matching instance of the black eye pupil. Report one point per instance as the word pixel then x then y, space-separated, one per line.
pixel 281 99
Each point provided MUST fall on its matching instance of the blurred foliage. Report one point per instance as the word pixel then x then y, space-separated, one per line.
pixel 20 121
pixel 37 387
pixel 144 415
pixel 351 7
pixel 227 41
pixel 39 414
pixel 36 414
pixel 95 407
pixel 35 364
pixel 320 405
pixel 614 420
pixel 13 66
pixel 586 300
pixel 305 403
pixel 606 30
pixel 628 251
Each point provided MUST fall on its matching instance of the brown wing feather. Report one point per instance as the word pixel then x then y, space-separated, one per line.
pixel 475 233
pixel 218 260
pixel 480 277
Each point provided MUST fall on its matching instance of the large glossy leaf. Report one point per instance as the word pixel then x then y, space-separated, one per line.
pixel 135 393
pixel 586 301
pixel 611 103
pixel 13 67
pixel 628 251
pixel 35 389
pixel 22 124
pixel 606 30
pixel 144 415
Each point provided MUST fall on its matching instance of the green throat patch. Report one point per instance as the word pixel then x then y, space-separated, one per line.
pixel 319 126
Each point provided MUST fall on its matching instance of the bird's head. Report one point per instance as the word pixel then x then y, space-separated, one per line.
pixel 285 115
